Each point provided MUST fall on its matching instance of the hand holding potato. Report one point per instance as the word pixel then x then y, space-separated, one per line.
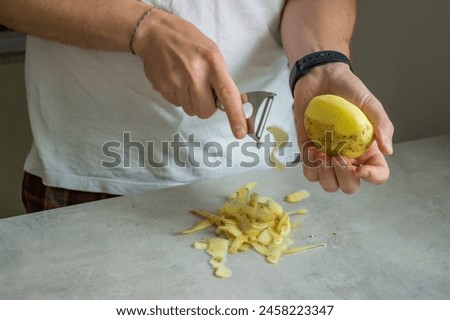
pixel 337 172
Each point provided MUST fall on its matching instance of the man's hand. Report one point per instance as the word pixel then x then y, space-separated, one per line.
pixel 310 26
pixel 180 61
pixel 332 175
pixel 185 66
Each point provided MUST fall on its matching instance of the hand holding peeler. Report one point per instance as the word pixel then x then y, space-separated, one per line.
pixel 257 121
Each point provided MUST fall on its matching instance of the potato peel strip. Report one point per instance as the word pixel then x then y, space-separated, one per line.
pixel 281 138
pixel 297 196
pixel 245 221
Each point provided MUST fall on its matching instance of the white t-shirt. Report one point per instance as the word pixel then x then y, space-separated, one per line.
pixel 99 126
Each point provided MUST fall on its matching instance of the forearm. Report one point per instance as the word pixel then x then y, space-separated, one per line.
pixel 99 24
pixel 313 25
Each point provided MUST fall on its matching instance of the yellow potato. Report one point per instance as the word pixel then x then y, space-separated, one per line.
pixel 337 126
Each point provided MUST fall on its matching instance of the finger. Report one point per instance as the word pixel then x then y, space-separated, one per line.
pixel 189 112
pixel 203 101
pixel 229 96
pixel 348 181
pixel 384 136
pixel 311 164
pixel 384 129
pixel 171 98
pixel 168 93
pixel 327 177
pixel 376 169
pixel 184 99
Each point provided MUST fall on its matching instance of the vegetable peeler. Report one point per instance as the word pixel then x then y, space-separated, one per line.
pixel 258 100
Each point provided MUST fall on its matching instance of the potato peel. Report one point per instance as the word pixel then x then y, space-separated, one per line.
pixel 203 224
pixel 246 221
pixel 303 248
pixel 217 248
pixel 281 139
pixel 296 196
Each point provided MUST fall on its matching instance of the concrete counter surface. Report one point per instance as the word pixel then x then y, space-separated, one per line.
pixel 385 242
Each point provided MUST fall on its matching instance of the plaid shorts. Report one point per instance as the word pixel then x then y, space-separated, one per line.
pixel 38 197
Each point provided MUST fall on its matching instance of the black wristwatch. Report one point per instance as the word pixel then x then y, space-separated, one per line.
pixel 305 64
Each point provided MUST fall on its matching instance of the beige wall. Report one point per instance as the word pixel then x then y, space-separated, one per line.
pixel 401 49
pixel 402 52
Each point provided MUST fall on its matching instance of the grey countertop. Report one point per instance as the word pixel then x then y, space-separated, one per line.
pixel 386 242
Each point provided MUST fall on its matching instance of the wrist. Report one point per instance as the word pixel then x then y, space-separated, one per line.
pixel 317 47
pixel 144 30
pixel 323 79
pixel 315 60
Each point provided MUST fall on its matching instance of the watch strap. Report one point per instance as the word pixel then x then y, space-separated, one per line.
pixel 305 64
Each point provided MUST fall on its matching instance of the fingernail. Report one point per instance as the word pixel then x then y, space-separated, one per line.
pixel 239 131
pixel 390 148
pixel 387 143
